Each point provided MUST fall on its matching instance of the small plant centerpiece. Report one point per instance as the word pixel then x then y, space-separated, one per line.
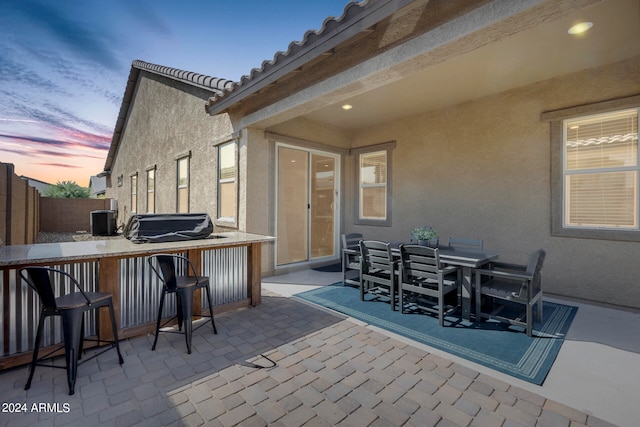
pixel 426 236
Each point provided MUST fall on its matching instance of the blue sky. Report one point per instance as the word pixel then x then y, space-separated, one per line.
pixel 64 65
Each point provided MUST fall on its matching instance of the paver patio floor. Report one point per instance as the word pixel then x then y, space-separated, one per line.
pixel 329 371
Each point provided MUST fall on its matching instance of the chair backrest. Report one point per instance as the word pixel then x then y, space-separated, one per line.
pixel 376 255
pixel 420 262
pixel 466 243
pixel 163 265
pixel 39 279
pixel 534 268
pixel 351 240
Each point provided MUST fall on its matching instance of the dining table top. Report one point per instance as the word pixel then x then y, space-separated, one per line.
pixel 466 257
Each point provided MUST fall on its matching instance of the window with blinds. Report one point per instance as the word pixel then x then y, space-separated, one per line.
pixel 601 171
pixel 373 185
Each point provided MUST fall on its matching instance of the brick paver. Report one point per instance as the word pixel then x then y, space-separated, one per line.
pixel 330 371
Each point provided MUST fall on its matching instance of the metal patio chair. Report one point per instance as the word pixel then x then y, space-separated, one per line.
pixel 183 286
pixel 71 307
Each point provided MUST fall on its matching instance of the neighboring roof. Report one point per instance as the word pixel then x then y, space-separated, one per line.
pixel 98 184
pixel 41 186
pixel 189 77
pixel 356 18
pixel 213 84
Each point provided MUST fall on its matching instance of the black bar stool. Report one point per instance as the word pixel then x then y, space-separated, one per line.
pixel 165 268
pixel 71 308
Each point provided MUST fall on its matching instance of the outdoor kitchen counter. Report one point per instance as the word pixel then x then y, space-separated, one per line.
pixel 16 256
pixel 115 266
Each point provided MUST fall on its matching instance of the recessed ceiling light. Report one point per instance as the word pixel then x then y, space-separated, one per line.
pixel 347 107
pixel 580 28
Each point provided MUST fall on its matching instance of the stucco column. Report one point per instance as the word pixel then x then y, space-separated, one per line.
pixel 256 189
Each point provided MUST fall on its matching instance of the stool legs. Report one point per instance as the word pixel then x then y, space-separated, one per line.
pixel 210 300
pixel 187 312
pixel 161 305
pixel 72 327
pixel 114 327
pixel 36 349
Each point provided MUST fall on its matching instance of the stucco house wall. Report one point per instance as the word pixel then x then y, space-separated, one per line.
pixel 481 169
pixel 477 164
pixel 166 121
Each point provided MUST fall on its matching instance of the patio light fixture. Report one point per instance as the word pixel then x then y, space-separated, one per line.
pixel 580 28
pixel 347 107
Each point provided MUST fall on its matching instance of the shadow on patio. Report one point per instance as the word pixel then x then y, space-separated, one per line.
pixel 329 371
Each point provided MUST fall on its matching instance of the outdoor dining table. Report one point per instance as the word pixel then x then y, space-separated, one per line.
pixel 468 260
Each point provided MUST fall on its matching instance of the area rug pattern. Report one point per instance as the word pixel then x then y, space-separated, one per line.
pixel 496 345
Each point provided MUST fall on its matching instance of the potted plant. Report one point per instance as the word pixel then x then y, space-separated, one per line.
pixel 426 236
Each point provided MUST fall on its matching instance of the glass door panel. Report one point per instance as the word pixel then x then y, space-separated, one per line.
pixel 292 205
pixel 322 177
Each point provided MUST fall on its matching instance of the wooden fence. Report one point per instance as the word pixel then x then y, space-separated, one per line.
pixel 19 208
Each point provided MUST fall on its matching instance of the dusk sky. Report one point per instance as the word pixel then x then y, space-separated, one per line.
pixel 64 65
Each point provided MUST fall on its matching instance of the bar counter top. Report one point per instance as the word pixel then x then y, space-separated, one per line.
pixel 41 253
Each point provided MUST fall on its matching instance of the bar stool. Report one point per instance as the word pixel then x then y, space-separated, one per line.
pixel 165 268
pixel 71 308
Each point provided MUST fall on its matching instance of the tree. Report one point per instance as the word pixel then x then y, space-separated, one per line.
pixel 67 190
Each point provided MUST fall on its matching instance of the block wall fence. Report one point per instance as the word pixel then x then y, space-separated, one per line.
pixel 24 213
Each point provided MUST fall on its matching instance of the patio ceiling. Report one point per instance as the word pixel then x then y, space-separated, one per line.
pixel 539 52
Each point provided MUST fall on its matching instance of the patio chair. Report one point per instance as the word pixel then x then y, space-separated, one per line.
pixel 71 307
pixel 463 242
pixel 378 272
pixel 514 285
pixel 426 280
pixel 165 266
pixel 351 259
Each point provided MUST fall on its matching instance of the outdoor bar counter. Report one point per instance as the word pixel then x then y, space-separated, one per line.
pixel 232 261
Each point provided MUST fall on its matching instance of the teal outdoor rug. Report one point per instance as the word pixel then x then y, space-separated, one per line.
pixel 496 345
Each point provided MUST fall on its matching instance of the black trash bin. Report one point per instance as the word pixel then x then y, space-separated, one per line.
pixel 103 223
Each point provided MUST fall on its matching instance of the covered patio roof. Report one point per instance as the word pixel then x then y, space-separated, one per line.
pixel 392 59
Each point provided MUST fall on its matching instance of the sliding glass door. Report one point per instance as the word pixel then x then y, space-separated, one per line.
pixel 306 205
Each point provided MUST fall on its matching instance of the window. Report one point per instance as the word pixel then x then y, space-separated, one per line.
pixel 374 189
pixel 595 170
pixel 183 185
pixel 601 171
pixel 151 190
pixel 134 193
pixel 227 177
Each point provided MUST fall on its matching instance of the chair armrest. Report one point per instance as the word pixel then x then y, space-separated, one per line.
pixel 509 266
pixel 351 251
pixel 503 274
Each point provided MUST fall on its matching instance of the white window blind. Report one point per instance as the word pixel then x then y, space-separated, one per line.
pixel 601 170
pixel 373 185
